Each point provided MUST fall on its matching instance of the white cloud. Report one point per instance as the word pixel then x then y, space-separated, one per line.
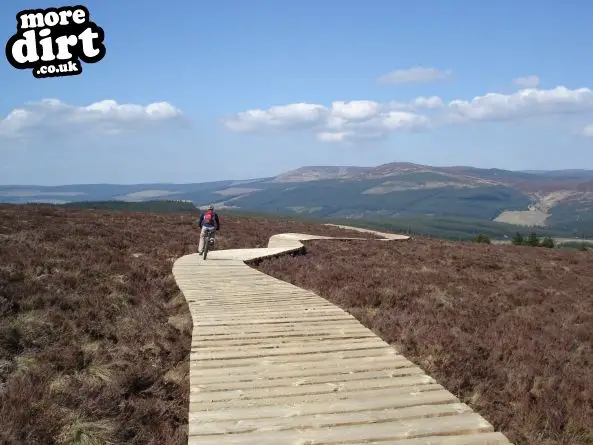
pixel 530 81
pixel 427 102
pixel 374 126
pixel 326 136
pixel 342 121
pixel 396 120
pixel 525 103
pixel 51 117
pixel 356 110
pixel 415 74
pixel 280 117
pixel 588 131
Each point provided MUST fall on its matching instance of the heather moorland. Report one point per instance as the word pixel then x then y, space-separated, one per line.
pixel 95 334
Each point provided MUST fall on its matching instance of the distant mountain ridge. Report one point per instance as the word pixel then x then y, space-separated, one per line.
pixel 558 198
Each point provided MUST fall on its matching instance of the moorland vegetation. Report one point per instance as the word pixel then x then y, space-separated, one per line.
pixel 95 334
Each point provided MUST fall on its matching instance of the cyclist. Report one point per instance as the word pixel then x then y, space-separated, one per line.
pixel 208 220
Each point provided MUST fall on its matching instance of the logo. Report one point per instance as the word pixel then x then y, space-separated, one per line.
pixel 53 41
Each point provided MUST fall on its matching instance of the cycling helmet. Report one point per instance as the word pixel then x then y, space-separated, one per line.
pixel 210 207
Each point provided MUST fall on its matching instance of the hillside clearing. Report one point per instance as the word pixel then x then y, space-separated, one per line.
pixel 145 194
pixel 530 218
pixel 233 191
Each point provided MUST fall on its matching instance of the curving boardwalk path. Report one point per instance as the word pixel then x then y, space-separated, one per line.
pixel 273 364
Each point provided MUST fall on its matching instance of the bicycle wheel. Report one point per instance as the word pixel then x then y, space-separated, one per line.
pixel 206 245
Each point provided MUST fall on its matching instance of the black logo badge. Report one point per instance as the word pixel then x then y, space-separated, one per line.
pixel 53 41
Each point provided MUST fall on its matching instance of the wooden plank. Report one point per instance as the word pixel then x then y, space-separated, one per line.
pixel 271 380
pixel 491 438
pixel 297 327
pixel 468 423
pixel 273 339
pixel 328 419
pixel 287 410
pixel 201 353
pixel 201 394
pixel 364 354
pixel 206 405
pixel 302 369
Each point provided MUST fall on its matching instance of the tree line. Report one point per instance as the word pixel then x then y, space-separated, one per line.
pixel 532 240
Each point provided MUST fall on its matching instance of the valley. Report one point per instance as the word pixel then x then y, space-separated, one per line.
pixel 560 201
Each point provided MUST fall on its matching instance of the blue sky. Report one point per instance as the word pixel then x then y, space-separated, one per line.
pixel 452 100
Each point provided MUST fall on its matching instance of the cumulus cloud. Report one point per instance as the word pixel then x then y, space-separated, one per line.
pixel 588 131
pixel 427 102
pixel 530 81
pixel 356 110
pixel 376 126
pixel 51 117
pixel 284 116
pixel 416 74
pixel 344 121
pixel 529 102
pixel 341 121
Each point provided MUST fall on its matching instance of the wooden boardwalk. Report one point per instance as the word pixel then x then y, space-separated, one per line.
pixel 273 364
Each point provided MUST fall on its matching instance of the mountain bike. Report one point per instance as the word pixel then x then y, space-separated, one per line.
pixel 208 241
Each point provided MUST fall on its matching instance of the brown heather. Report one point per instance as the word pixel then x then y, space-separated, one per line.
pixel 94 332
pixel 507 329
pixel 95 335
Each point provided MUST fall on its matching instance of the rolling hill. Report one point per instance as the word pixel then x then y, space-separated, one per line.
pixel 561 199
